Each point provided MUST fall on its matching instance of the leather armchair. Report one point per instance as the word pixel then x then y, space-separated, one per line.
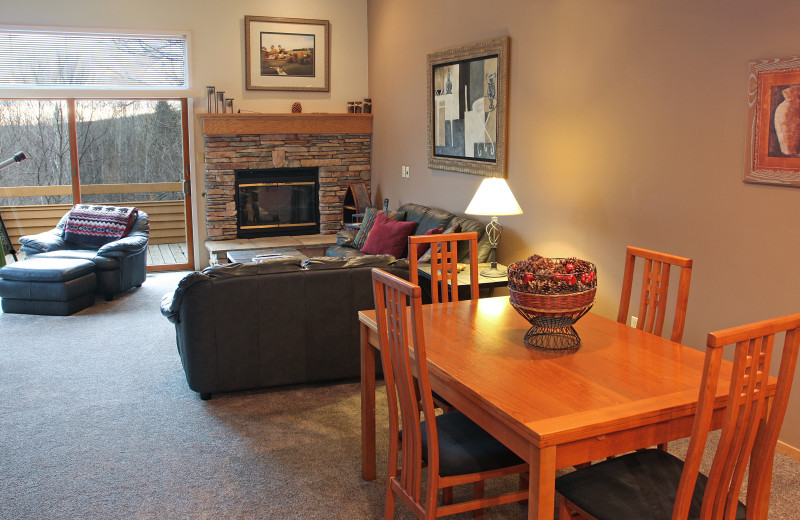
pixel 119 265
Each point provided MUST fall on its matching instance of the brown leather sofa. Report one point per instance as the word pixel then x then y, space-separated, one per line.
pixel 278 322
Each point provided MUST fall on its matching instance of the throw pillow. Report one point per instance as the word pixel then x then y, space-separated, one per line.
pixel 346 238
pixel 455 228
pixel 423 248
pixel 388 236
pixel 369 220
pixel 93 225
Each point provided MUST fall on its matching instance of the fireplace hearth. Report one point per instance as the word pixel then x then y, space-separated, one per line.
pixel 277 202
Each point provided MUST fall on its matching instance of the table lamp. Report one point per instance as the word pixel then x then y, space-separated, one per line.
pixel 493 198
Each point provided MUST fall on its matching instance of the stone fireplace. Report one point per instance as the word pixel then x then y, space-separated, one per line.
pixel 338 145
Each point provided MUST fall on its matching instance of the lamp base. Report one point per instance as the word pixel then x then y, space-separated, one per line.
pixel 494 272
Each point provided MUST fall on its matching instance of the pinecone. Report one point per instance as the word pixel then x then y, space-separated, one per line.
pixel 540 275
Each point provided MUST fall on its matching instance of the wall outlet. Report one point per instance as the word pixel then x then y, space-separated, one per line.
pixel 634 321
pixel 404 170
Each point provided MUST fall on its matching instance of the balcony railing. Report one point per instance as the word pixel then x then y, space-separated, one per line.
pixel 167 220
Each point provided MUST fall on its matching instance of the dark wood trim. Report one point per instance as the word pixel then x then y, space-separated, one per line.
pixel 73 150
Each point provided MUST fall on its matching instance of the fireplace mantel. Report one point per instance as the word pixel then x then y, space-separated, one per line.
pixel 266 124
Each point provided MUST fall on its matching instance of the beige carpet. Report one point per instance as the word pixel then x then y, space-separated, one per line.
pixel 96 422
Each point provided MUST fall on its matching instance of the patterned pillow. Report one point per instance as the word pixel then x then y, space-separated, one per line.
pixel 426 258
pixel 369 221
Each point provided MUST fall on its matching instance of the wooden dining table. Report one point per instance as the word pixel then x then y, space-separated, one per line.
pixel 621 390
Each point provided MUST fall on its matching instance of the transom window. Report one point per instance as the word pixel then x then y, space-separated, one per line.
pixel 92 60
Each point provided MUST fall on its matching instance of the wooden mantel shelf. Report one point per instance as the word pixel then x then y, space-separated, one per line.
pixel 239 124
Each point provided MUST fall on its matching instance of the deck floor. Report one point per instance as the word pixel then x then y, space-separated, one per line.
pixel 164 254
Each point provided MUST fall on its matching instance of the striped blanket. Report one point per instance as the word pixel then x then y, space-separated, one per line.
pixel 93 226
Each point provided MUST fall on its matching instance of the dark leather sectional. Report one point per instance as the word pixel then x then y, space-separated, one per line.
pixel 283 321
pixel 258 325
pixel 427 218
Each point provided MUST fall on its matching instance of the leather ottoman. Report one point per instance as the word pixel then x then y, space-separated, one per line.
pixel 50 286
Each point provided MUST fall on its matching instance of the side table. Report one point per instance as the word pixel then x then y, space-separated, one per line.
pixel 486 285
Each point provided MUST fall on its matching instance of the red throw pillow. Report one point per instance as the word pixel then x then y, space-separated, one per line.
pixel 426 258
pixel 388 236
pixel 423 248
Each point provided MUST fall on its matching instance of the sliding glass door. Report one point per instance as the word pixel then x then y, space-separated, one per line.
pixel 134 152
pixel 130 152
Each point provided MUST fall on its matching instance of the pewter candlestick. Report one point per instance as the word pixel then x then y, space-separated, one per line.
pixel 211 98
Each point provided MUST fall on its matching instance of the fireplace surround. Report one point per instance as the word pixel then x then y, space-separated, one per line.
pixel 339 146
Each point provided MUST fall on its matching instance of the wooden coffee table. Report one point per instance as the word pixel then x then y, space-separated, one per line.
pixel 250 255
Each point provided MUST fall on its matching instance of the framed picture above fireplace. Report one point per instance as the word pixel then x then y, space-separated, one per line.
pixel 286 54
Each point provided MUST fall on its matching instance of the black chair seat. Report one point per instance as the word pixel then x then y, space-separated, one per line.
pixel 641 485
pixel 441 400
pixel 465 447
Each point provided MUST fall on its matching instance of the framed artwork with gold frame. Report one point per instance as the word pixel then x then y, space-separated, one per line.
pixel 467 102
pixel 286 54
pixel 772 150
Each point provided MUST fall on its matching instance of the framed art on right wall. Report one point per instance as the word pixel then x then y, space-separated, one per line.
pixel 467 101
pixel 772 150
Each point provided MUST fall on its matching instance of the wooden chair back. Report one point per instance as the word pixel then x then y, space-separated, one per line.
pixel 398 308
pixel 655 288
pixel 444 264
pixel 752 419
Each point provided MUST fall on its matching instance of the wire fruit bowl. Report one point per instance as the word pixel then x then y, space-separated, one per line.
pixel 552 298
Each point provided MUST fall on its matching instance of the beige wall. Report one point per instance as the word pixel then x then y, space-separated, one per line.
pixel 216 30
pixel 626 126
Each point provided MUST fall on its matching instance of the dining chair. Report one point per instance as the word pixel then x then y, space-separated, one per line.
pixel 454 449
pixel 444 263
pixel 655 287
pixel 653 484
pixel 444 272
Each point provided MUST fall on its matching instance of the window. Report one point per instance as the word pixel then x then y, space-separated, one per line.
pixel 38 128
pixel 124 152
pixel 85 60
pixel 120 145
pixel 102 117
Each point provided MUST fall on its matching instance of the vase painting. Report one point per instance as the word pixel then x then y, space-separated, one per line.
pixel 787 121
pixel 773 122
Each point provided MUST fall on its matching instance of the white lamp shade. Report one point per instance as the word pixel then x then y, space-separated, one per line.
pixel 493 198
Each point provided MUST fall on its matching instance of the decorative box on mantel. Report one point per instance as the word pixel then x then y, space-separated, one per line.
pixel 339 145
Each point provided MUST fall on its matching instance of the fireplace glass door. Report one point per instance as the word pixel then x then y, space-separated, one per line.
pixel 276 203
